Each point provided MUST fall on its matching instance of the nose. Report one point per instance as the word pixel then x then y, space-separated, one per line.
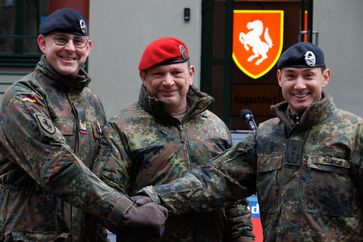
pixel 168 80
pixel 70 45
pixel 299 83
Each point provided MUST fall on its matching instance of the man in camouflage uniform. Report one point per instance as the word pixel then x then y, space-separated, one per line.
pixel 166 133
pixel 50 129
pixel 305 165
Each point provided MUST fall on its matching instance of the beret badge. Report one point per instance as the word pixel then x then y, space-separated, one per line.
pixel 83 26
pixel 310 58
pixel 183 51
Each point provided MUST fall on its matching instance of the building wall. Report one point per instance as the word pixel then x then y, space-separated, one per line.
pixel 120 30
pixel 339 24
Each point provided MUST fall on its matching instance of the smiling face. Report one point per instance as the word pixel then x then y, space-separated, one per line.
pixel 169 84
pixel 67 60
pixel 302 86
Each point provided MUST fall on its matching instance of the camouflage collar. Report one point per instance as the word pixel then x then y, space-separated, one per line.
pixel 198 102
pixel 313 115
pixel 65 83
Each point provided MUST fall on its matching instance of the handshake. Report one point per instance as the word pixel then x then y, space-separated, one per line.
pixel 143 220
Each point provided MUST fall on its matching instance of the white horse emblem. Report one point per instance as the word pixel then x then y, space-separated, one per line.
pixel 252 39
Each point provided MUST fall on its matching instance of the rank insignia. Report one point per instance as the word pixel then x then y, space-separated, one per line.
pixel 82 127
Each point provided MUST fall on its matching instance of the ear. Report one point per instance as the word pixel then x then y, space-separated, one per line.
pixel 89 46
pixel 142 76
pixel 41 43
pixel 326 77
pixel 191 74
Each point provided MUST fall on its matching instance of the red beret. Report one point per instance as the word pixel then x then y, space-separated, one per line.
pixel 164 51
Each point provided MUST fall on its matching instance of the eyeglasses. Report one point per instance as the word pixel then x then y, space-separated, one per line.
pixel 62 39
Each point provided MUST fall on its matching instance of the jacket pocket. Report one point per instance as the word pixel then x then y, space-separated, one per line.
pixel 267 185
pixel 67 128
pixel 328 189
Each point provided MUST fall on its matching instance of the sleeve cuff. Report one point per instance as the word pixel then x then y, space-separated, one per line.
pixel 121 206
pixel 149 190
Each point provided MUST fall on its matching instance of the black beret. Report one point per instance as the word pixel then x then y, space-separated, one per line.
pixel 302 55
pixel 66 20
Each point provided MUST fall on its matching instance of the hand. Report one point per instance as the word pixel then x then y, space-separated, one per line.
pixel 141 199
pixel 144 220
pixel 239 222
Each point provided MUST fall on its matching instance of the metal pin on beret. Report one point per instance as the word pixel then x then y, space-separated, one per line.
pixel 302 55
pixel 65 20
pixel 163 51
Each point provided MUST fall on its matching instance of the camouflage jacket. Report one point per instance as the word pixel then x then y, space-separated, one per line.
pixel 145 146
pixel 307 175
pixel 49 135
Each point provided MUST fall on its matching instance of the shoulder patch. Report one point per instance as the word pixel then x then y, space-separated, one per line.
pixel 45 123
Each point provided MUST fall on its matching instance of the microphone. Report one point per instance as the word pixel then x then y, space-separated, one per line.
pixel 247 116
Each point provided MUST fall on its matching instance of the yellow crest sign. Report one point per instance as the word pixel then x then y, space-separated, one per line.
pixel 257 40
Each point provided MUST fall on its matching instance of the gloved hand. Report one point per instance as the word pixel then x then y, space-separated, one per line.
pixel 141 199
pixel 144 220
pixel 239 222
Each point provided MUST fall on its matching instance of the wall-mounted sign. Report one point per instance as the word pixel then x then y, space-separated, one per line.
pixel 258 98
pixel 257 40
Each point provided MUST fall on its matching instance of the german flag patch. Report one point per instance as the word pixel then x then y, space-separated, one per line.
pixel 28 99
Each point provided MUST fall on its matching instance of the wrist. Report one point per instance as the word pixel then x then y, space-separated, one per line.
pixel 123 204
pixel 149 191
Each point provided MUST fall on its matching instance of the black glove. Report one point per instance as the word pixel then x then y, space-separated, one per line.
pixel 239 222
pixel 144 220
pixel 142 199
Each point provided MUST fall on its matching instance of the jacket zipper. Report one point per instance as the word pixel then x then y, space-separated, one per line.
pixel 74 110
pixel 76 150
